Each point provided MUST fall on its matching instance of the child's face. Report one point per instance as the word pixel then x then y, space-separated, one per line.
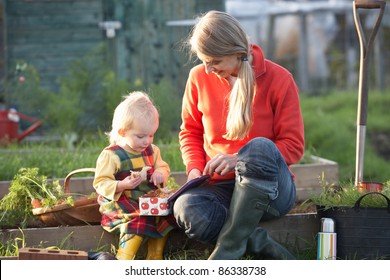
pixel 141 135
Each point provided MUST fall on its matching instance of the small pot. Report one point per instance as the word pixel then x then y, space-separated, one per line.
pixel 370 187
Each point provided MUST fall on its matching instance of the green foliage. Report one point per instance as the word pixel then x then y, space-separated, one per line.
pixel 11 246
pixel 87 96
pixel 171 184
pixel 168 103
pixel 91 92
pixel 26 185
pixel 347 194
pixel 55 162
pixel 171 154
pixel 330 131
pixel 22 90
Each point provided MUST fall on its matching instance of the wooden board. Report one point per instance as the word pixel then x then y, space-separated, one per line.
pixel 298 230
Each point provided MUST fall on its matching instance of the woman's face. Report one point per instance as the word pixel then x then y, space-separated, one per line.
pixel 223 66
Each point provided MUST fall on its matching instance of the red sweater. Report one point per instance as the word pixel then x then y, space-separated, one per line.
pixel 276 114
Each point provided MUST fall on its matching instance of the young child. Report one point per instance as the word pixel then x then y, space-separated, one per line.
pixel 120 181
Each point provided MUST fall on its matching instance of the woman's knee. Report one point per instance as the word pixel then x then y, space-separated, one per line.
pixel 200 218
pixel 258 159
pixel 262 141
pixel 180 207
pixel 258 147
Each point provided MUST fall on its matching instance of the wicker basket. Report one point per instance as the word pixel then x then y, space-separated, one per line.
pixel 84 211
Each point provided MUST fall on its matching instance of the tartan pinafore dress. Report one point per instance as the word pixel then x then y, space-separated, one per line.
pixel 123 216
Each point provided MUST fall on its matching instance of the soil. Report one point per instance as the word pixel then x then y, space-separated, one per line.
pixel 303 209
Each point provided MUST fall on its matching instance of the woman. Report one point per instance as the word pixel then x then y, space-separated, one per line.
pixel 242 125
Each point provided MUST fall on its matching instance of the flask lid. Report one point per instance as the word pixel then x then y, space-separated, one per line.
pixel 327 225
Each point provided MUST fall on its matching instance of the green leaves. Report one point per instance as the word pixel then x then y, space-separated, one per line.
pixel 28 184
pixel 347 195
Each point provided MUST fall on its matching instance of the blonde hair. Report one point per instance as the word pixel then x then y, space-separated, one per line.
pixel 218 34
pixel 134 106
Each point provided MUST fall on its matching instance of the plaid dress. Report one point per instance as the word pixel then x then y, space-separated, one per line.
pixel 123 216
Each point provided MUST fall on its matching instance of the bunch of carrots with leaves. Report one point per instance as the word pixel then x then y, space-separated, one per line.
pixel 28 185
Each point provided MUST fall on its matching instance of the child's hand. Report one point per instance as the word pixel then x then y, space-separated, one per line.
pixel 129 183
pixel 157 179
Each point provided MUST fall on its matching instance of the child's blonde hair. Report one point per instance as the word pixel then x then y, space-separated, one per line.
pixel 134 106
pixel 218 34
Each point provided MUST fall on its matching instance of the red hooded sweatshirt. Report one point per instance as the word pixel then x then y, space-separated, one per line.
pixel 276 114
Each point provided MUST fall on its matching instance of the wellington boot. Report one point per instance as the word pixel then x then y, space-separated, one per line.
pixel 247 207
pixel 156 248
pixel 128 250
pixel 260 243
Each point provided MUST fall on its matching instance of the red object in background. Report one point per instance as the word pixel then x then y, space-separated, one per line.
pixel 370 187
pixel 9 125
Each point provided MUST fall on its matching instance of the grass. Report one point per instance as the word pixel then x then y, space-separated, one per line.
pixel 11 247
pixel 330 132
pixel 347 194
pixel 55 160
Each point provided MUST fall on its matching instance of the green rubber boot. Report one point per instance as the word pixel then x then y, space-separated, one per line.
pixel 247 207
pixel 260 243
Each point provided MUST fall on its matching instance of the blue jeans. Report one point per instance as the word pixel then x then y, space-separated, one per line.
pixel 202 211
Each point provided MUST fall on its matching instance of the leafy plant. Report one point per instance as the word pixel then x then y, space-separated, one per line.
pixel 88 95
pixel 22 90
pixel 347 195
pixel 11 246
pixel 171 184
pixel 28 184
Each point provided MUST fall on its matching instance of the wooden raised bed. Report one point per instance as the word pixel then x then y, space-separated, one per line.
pixel 298 230
pixel 308 176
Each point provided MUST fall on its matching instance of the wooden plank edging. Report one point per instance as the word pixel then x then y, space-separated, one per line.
pixel 297 230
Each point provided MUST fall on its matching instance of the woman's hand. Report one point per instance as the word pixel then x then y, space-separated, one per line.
pixel 221 164
pixel 129 183
pixel 194 173
pixel 157 178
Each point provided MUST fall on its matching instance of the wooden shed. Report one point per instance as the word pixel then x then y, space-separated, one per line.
pixel 50 34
